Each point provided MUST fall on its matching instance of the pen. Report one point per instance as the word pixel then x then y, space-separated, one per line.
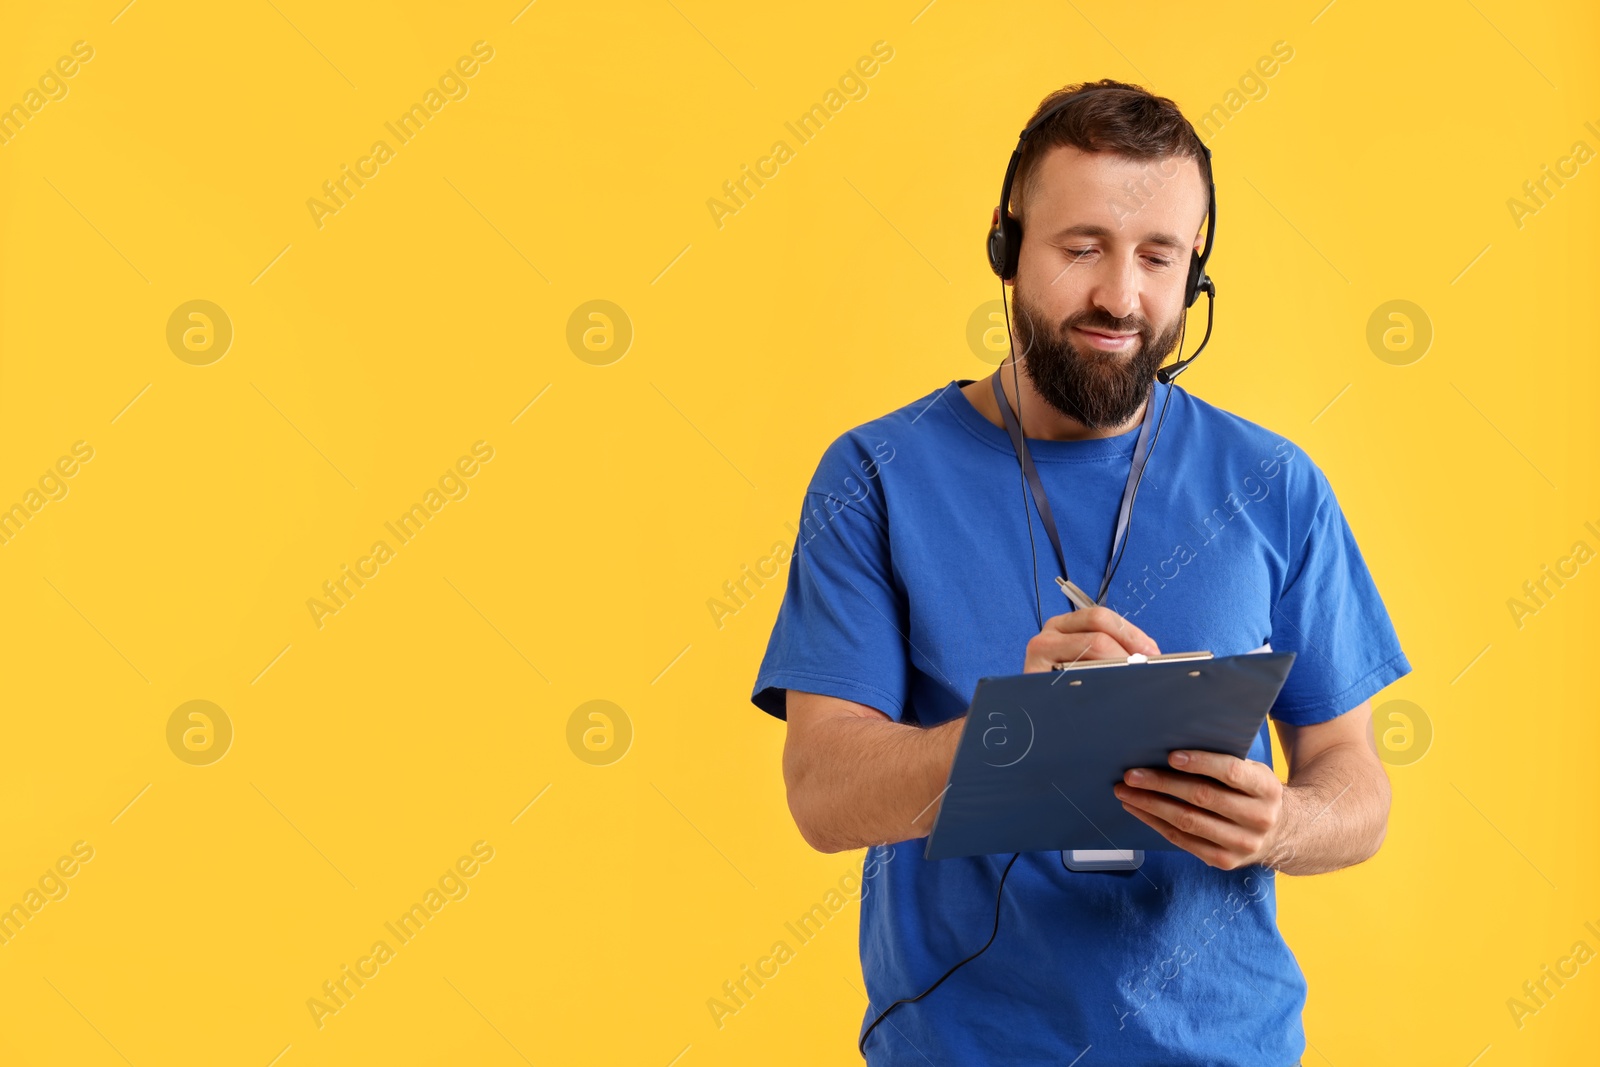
pixel 1079 598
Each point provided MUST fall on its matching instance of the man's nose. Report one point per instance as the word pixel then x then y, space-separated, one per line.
pixel 1116 290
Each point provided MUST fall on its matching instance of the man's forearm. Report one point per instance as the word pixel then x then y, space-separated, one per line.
pixel 867 781
pixel 1335 814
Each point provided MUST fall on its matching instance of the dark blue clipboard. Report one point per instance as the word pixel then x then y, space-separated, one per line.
pixel 1040 752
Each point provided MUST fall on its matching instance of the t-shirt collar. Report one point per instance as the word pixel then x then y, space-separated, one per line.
pixel 1091 449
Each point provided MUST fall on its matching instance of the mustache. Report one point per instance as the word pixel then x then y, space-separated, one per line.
pixel 1099 321
pixel 1096 319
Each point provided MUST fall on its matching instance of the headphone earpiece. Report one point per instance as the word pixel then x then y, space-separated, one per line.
pixel 1197 282
pixel 1004 245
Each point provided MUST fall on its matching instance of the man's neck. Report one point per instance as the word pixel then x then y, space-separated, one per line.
pixel 1039 419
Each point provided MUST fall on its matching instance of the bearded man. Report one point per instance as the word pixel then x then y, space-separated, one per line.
pixel 911 580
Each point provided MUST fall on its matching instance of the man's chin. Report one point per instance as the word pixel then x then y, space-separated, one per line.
pixel 1099 377
pixel 1100 355
pixel 1109 370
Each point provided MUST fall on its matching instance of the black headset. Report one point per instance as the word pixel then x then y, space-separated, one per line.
pixel 1005 236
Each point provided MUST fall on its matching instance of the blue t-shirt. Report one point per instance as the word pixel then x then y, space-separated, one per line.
pixel 910 580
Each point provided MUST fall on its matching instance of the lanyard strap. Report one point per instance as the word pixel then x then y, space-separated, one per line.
pixel 1141 455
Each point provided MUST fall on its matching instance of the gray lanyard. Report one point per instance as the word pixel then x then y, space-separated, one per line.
pixel 1141 455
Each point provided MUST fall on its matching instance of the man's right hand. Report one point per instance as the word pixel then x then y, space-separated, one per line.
pixel 1096 633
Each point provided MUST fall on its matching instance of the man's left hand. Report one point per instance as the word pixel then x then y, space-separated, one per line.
pixel 1226 810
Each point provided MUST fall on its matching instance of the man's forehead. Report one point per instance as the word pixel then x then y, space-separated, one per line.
pixel 1102 194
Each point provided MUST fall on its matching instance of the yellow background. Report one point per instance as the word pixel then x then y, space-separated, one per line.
pixel 370 353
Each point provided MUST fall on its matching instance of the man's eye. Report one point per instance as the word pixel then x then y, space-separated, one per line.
pixel 1154 261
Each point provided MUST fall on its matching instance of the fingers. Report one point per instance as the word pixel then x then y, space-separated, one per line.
pixel 1192 821
pixel 1202 796
pixel 1216 855
pixel 1247 776
pixel 1225 813
pixel 1048 648
pixel 1089 633
pixel 1129 638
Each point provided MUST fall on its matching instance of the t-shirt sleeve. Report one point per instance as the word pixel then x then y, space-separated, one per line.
pixel 839 629
pixel 1331 616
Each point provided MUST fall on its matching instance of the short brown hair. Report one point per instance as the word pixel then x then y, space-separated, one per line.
pixel 1114 117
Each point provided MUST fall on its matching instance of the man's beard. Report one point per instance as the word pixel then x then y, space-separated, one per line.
pixel 1098 389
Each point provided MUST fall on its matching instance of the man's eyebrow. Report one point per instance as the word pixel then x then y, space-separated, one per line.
pixel 1089 229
